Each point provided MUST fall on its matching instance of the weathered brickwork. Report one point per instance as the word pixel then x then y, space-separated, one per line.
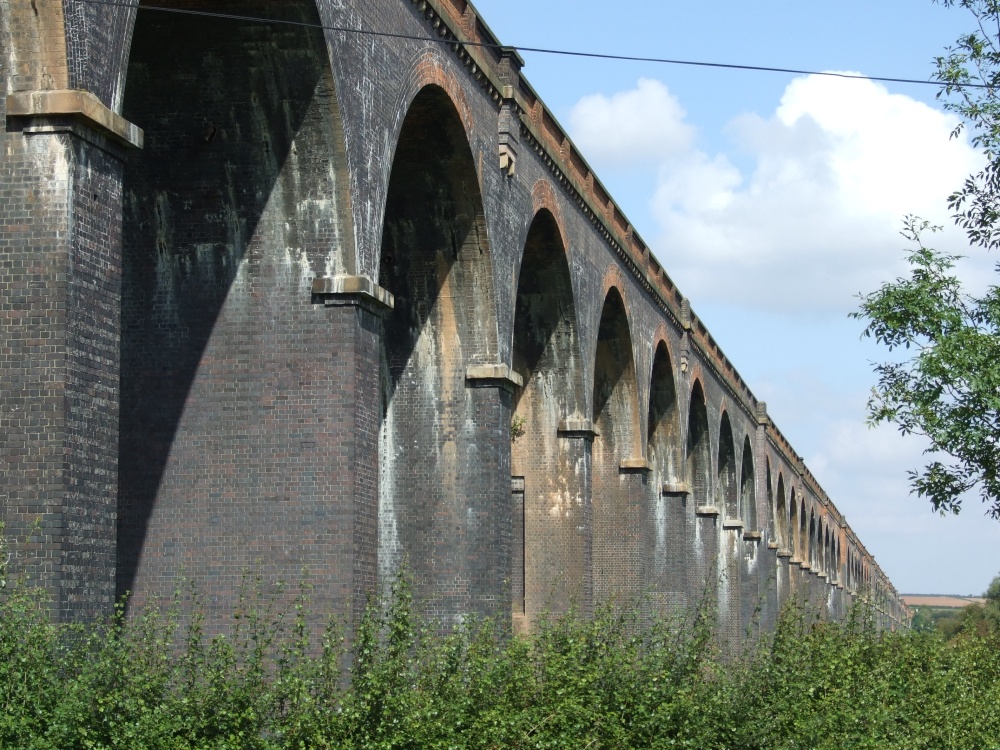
pixel 350 303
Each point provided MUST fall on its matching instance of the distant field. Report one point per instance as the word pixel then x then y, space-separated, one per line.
pixel 940 602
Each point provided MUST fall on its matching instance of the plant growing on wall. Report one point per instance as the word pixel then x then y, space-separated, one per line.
pixel 517 425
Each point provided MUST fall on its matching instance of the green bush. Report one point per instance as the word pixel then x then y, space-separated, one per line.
pixel 616 680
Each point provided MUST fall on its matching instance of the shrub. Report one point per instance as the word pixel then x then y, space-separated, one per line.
pixel 616 680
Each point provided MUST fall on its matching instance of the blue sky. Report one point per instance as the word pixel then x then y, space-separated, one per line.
pixel 772 199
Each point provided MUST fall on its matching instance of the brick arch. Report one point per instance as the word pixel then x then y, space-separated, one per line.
pixel 727 477
pixel 773 519
pixel 661 338
pixel 803 538
pixel 614 278
pixel 730 552
pixel 431 68
pixel 544 203
pixel 792 535
pixel 614 287
pixel 618 519
pixel 547 218
pixel 436 259
pixel 665 454
pixel 427 69
pixel 813 534
pixel 544 197
pixel 696 372
pixel 662 442
pixel 821 535
pixel 698 443
pixel 748 485
pixel 549 557
pixel 830 548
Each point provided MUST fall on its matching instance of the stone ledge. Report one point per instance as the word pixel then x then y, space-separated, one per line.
pixel 499 375
pixel 81 105
pixel 732 523
pixel 675 489
pixel 707 511
pixel 338 287
pixel 752 536
pixel 634 464
pixel 575 427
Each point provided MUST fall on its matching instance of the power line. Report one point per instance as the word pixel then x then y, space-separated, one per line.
pixel 537 50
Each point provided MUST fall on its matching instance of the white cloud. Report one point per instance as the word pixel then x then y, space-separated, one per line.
pixel 631 128
pixel 836 167
pixel 813 220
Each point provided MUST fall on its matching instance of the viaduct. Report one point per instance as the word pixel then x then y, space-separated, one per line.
pixel 284 296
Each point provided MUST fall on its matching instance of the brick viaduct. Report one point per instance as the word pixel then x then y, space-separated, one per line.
pixel 282 297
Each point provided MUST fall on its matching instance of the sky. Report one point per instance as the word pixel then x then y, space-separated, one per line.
pixel 772 200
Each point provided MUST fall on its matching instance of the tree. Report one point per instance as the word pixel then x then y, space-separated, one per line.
pixel 948 390
pixel 992 606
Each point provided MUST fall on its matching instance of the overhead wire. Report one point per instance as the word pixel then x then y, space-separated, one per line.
pixel 534 50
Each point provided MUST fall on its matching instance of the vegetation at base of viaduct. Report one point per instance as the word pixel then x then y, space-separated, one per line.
pixel 156 680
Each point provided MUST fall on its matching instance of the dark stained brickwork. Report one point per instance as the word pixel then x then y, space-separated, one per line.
pixel 203 372
pixel 247 408
pixel 60 228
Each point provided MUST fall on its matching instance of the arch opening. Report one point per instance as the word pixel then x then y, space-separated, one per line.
pixel 803 536
pixel 811 554
pixel 793 524
pixel 664 447
pixel 748 488
pixel 550 513
pixel 663 430
pixel 617 511
pixel 781 521
pixel 699 462
pixel 726 488
pixel 442 465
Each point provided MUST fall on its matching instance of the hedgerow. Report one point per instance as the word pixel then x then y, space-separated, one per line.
pixel 614 680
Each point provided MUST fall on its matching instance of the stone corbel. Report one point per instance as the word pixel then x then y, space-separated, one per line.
pixel 493 376
pixel 52 110
pixel 573 427
pixel 639 464
pixel 334 291
pixel 675 489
